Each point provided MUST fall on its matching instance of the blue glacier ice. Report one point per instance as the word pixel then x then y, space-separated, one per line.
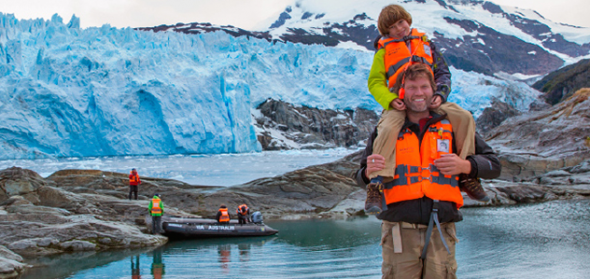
pixel 102 91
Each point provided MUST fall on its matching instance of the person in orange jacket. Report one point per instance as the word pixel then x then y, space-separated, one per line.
pixel 223 214
pixel 133 182
pixel 243 213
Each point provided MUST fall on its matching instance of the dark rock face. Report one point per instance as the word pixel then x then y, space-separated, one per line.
pixel 490 51
pixel 494 116
pixel 532 144
pixel 198 28
pixel 312 128
pixel 561 84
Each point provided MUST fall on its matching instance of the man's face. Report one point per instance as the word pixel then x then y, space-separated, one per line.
pixel 418 94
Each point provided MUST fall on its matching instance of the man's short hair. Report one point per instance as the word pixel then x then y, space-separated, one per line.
pixel 390 15
pixel 413 72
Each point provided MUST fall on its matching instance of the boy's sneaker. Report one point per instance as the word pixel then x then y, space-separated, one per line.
pixel 473 188
pixel 374 196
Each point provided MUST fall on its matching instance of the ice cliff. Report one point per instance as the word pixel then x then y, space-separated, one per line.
pixel 66 91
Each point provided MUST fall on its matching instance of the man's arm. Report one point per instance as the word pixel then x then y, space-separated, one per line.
pixel 361 179
pixel 485 163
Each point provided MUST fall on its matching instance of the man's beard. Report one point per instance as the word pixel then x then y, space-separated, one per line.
pixel 413 107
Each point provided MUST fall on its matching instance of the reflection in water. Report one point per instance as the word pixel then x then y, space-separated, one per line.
pixel 224 251
pixel 244 249
pixel 158 267
pixel 547 240
pixel 135 271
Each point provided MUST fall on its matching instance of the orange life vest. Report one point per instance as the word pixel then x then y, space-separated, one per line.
pixel 156 206
pixel 133 178
pixel 242 209
pixel 224 218
pixel 415 173
pixel 398 54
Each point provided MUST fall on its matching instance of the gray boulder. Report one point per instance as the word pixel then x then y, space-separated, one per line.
pixel 538 142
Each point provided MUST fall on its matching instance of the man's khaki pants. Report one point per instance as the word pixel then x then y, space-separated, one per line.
pixel 402 245
pixel 392 120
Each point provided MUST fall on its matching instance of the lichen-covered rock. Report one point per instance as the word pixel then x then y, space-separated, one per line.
pixel 18 181
pixel 538 142
pixel 11 264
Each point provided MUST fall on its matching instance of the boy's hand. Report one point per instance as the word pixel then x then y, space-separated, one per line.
pixel 435 103
pixel 398 104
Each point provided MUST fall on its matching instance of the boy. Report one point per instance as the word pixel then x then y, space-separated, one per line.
pixel 398 47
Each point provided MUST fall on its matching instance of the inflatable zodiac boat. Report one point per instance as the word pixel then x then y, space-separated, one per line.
pixel 179 227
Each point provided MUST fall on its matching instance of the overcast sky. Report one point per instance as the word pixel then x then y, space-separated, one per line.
pixel 245 14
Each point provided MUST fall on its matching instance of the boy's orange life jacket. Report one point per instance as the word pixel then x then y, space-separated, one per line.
pixel 398 55
pixel 156 206
pixel 242 209
pixel 415 173
pixel 224 215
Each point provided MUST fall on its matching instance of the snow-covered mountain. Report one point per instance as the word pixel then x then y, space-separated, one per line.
pixel 67 91
pixel 474 35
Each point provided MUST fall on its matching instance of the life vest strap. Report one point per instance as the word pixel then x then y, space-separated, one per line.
pixel 433 219
pixel 394 68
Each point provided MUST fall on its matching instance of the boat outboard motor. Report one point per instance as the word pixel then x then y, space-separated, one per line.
pixel 257 217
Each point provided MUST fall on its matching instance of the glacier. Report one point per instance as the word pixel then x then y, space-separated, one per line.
pixel 104 91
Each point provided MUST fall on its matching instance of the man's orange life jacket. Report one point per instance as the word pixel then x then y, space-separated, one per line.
pixel 133 178
pixel 398 54
pixel 156 206
pixel 242 210
pixel 224 218
pixel 415 173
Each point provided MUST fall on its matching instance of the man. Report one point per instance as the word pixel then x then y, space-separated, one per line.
pixel 133 182
pixel 243 213
pixel 222 215
pixel 156 209
pixel 423 199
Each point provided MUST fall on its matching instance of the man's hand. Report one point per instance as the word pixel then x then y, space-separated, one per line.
pixel 451 164
pixel 435 102
pixel 375 162
pixel 398 104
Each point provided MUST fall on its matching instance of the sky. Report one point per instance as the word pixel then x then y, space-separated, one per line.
pixel 246 14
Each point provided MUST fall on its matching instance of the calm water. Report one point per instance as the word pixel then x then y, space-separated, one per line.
pixel 548 240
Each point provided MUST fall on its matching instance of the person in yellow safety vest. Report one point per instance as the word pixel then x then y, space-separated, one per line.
pixel 133 182
pixel 243 213
pixel 158 267
pixel 156 209
pixel 223 214
pixel 423 197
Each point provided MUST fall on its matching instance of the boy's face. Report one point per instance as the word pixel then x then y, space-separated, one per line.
pixel 399 29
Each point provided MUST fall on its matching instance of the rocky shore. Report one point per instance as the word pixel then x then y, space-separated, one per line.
pixel 545 156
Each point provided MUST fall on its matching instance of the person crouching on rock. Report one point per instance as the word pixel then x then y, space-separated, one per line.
pixel 223 215
pixel 156 209
pixel 243 213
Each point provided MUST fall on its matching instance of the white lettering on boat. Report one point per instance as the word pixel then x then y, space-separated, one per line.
pixel 174 225
pixel 221 228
